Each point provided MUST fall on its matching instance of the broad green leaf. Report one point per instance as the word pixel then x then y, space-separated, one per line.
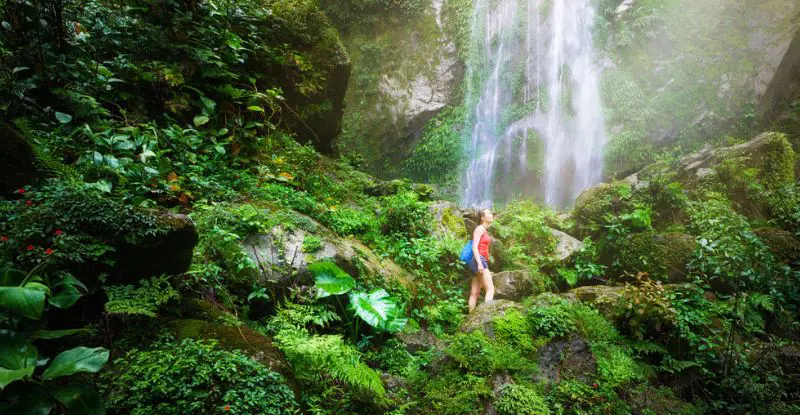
pixel 330 279
pixel 79 359
pixel 372 308
pixel 208 103
pixel 378 309
pixel 8 376
pixel 200 120
pixel 255 108
pixel 57 334
pixel 31 400
pixel 17 357
pixel 65 297
pixel 11 276
pixel 23 301
pixel 77 399
pixel 97 158
pixel 63 118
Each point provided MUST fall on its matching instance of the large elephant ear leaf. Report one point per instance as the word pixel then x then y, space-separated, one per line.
pixel 373 308
pixel 330 279
pixel 78 399
pixel 395 320
pixel 17 358
pixel 26 301
pixel 79 359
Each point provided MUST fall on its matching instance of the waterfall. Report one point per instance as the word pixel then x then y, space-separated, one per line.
pixel 532 79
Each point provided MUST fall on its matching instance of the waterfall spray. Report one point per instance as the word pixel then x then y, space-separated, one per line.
pixel 532 76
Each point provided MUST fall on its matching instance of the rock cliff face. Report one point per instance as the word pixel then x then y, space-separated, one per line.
pixel 404 71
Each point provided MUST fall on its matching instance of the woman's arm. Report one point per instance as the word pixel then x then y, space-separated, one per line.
pixel 476 239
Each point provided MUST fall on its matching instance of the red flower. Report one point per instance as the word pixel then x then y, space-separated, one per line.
pixel 58 232
pixel 28 202
pixel 594 385
pixel 21 190
pixel 48 251
pixel 4 238
pixel 227 407
pixel 30 248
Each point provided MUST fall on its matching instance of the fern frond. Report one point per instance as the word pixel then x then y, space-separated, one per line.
pixel 143 300
pixel 312 356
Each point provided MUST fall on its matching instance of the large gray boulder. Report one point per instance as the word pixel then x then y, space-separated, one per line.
pixel 282 249
pixel 566 245
pixel 513 285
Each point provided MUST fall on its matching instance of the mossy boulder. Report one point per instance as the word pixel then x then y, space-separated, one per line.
pixel 769 153
pixel 21 163
pixel 483 316
pixel 784 245
pixel 281 251
pixel 250 342
pixel 168 252
pixel 448 220
pixel 565 358
pixel 591 294
pixel 594 203
pixel 664 257
pixel 515 285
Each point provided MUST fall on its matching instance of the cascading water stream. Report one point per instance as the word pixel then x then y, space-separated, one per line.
pixel 532 77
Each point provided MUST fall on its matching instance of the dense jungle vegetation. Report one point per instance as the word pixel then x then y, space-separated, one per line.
pixel 179 236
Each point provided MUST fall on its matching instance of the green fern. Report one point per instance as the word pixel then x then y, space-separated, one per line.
pixel 313 356
pixel 292 315
pixel 140 301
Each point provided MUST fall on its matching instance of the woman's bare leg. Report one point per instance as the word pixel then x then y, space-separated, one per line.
pixel 474 291
pixel 488 285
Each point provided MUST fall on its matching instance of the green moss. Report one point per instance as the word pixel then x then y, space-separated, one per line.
pixel 455 393
pixel 661 256
pixel 454 225
pixel 594 203
pixel 615 364
pixel 513 329
pixel 233 338
pixel 311 244
pixel 777 167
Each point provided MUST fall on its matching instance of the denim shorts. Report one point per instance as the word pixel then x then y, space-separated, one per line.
pixel 474 265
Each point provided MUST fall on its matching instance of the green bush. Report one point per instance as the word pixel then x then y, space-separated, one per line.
pixel 456 393
pixel 521 400
pixel 551 320
pixel 405 214
pixel 195 377
pixel 348 221
pixel 311 244
pixel 522 229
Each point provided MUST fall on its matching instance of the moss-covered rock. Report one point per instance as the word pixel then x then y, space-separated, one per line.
pixel 594 203
pixel 591 294
pixel 282 249
pixel 483 316
pixel 769 153
pixel 248 341
pixel 784 245
pixel 569 358
pixel 21 163
pixel 664 257
pixel 448 221
pixel 167 252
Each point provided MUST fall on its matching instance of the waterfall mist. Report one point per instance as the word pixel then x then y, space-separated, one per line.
pixel 536 125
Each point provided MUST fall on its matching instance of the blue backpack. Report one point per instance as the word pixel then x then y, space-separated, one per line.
pixel 466 253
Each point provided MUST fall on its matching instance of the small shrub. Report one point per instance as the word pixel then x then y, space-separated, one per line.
pixel 347 221
pixel 551 320
pixel 195 377
pixel 405 214
pixel 311 244
pixel 521 400
pixel 455 393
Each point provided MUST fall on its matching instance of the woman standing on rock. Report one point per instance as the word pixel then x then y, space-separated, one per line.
pixel 481 277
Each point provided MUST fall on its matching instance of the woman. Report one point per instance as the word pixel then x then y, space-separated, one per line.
pixel 480 265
